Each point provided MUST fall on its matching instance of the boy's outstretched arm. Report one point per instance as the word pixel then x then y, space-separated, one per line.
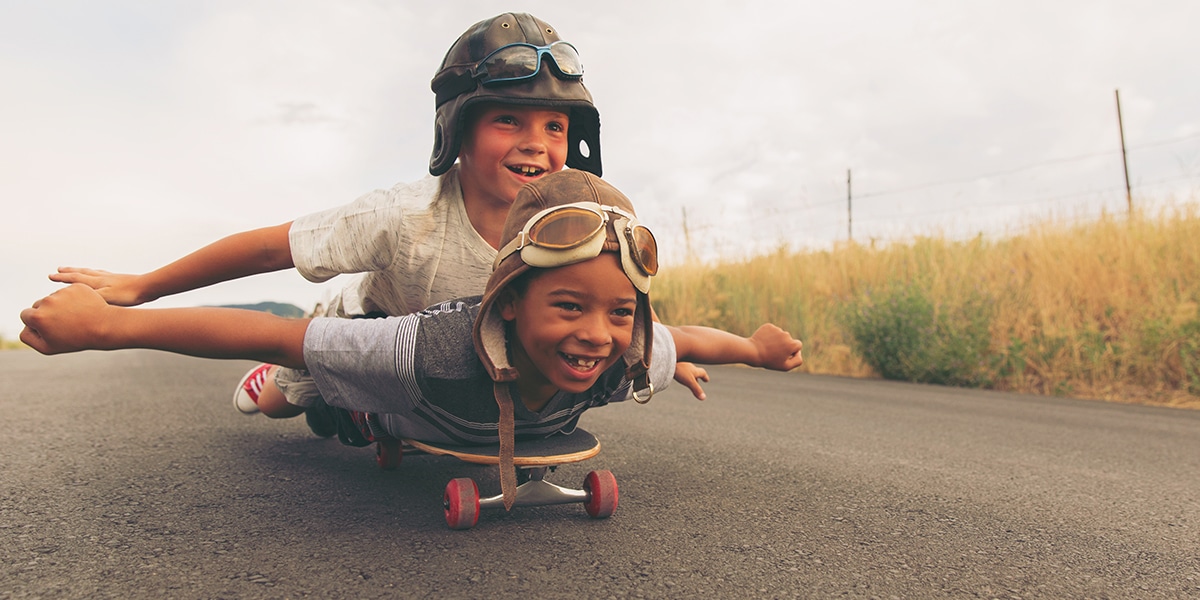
pixel 239 255
pixel 76 318
pixel 769 347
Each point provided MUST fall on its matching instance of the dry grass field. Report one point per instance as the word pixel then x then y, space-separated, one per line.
pixel 1104 309
pixel 1107 309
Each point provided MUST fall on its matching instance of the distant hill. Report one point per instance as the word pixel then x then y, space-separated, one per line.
pixel 275 308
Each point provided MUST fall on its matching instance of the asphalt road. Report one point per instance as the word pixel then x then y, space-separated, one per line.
pixel 128 474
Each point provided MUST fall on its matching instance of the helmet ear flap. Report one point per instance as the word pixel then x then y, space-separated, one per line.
pixel 583 142
pixel 440 143
pixel 445 142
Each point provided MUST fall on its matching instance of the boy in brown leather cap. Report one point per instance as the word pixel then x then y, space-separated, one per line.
pixel 563 326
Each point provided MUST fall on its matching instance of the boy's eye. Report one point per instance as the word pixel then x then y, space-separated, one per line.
pixel 556 126
pixel 623 313
pixel 506 119
pixel 569 306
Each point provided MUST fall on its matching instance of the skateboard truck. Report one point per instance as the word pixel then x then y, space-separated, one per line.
pixel 536 491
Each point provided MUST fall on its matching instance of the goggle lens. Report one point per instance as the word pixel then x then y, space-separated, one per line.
pixel 566 228
pixel 566 59
pixel 644 248
pixel 523 61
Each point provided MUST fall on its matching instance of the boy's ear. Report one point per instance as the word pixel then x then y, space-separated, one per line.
pixel 506 304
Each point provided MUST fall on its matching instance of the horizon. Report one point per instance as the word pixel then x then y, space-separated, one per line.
pixel 138 133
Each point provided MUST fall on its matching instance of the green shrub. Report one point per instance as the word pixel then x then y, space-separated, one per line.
pixel 1175 353
pixel 1189 355
pixel 902 334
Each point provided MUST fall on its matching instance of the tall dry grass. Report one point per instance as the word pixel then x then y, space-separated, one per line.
pixel 1105 309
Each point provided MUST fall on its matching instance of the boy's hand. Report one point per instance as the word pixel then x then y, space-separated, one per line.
pixel 116 288
pixel 68 320
pixel 689 375
pixel 777 349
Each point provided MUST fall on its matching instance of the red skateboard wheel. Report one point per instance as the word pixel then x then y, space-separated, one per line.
pixel 601 488
pixel 461 502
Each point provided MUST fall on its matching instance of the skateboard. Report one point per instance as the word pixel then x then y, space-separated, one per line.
pixel 533 460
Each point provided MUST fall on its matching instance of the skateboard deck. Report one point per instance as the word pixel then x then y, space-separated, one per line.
pixel 545 452
pixel 533 459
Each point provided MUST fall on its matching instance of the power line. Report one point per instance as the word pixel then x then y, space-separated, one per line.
pixel 1035 200
pixel 1004 172
pixel 987 175
pixel 816 216
pixel 1165 142
pixel 1011 171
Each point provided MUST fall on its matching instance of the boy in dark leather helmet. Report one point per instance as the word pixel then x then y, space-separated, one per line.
pixel 511 107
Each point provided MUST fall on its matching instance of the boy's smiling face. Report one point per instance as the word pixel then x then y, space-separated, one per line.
pixel 569 326
pixel 506 146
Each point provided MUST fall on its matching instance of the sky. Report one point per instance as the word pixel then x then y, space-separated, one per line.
pixel 133 132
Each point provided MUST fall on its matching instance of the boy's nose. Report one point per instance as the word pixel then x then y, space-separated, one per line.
pixel 534 142
pixel 593 330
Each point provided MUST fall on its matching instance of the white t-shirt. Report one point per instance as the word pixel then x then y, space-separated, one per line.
pixel 411 247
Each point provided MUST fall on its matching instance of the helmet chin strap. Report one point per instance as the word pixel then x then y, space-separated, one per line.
pixel 507 432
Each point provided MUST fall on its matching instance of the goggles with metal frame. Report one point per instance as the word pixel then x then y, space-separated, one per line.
pixel 571 233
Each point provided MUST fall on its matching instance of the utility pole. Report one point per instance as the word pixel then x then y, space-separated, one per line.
pixel 1124 156
pixel 849 213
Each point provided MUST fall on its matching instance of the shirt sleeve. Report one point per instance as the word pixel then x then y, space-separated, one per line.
pixel 662 359
pixel 355 238
pixel 356 362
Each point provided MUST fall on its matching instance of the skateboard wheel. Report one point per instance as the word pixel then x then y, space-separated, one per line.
pixel 388 454
pixel 601 488
pixel 461 503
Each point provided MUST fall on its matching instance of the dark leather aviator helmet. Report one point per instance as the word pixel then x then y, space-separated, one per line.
pixel 462 82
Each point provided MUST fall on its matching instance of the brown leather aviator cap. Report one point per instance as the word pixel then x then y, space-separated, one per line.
pixel 491 344
pixel 555 189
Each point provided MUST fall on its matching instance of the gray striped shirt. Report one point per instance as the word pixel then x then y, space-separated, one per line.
pixel 421 375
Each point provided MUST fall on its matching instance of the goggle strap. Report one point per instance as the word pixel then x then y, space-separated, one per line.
pixel 449 87
pixel 510 248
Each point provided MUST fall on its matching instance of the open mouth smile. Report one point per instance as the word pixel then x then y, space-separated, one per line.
pixel 580 363
pixel 526 171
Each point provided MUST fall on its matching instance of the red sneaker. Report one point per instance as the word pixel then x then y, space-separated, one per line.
pixel 245 397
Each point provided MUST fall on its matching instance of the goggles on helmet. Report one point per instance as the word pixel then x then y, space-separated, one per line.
pixel 571 233
pixel 521 61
